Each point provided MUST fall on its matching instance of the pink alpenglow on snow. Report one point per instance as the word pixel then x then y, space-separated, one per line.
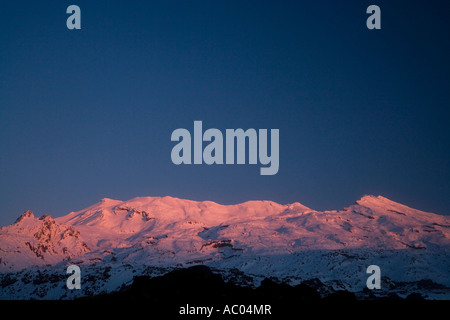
pixel 171 230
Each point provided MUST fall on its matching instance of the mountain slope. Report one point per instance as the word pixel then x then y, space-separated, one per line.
pixel 195 230
pixel 31 241
pixel 260 238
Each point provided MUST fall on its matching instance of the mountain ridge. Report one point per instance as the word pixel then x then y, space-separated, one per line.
pixel 187 226
pixel 259 238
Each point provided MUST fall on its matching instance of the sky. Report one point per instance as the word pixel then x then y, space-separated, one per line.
pixel 88 114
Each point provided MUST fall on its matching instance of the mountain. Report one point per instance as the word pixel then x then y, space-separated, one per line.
pixel 32 241
pixel 258 238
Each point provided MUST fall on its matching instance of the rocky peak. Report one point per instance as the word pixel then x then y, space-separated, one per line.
pixel 26 214
pixel 46 217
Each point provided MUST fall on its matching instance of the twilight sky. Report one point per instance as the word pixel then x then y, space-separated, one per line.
pixel 87 114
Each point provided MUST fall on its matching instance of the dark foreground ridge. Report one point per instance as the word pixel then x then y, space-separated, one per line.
pixel 177 293
pixel 199 286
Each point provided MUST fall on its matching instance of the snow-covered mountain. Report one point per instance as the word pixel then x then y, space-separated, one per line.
pixel 260 238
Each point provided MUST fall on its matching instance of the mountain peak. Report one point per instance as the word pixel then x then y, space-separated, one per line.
pixel 46 217
pixel 107 200
pixel 25 215
pixel 371 200
pixel 383 204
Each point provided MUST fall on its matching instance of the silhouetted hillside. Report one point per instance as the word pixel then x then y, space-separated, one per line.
pixel 199 286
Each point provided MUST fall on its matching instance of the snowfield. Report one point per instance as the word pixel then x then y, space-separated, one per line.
pixel 113 240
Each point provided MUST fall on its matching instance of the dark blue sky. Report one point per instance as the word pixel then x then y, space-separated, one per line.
pixel 87 114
